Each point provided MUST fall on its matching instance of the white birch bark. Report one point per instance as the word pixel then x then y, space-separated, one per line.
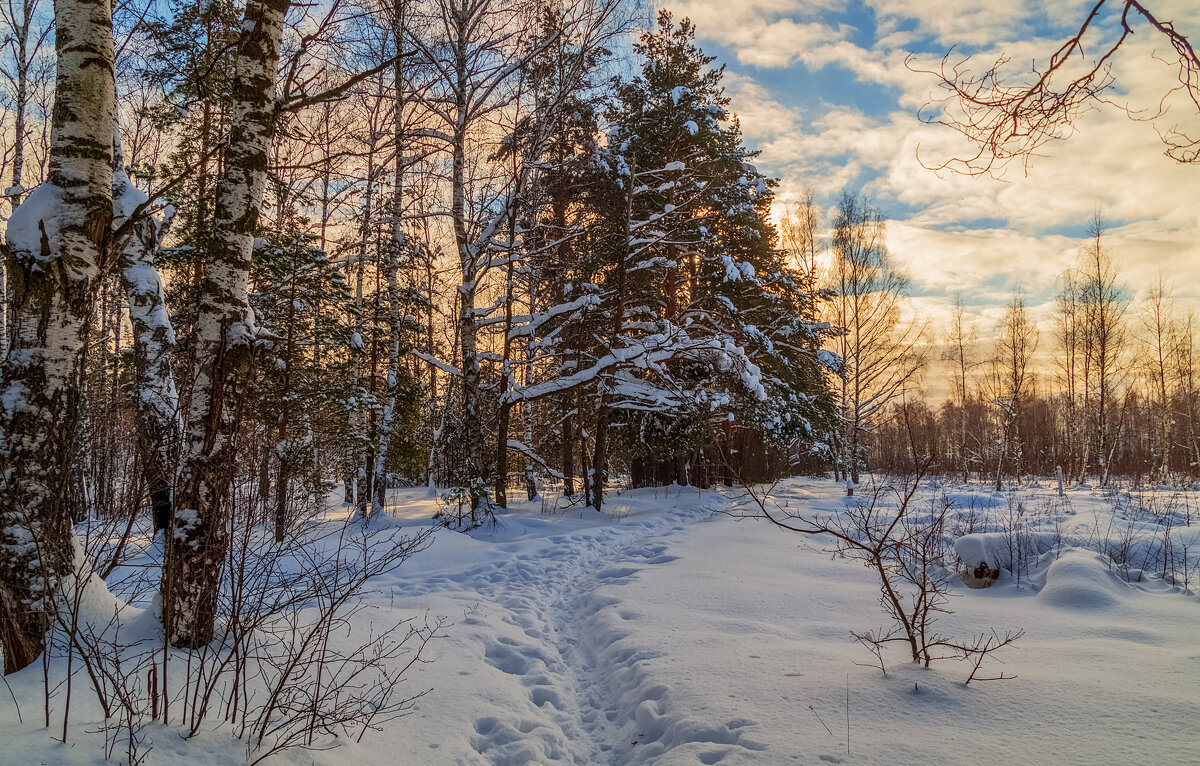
pixel 224 339
pixel 59 249
pixel 159 422
pixel 395 326
pixel 358 453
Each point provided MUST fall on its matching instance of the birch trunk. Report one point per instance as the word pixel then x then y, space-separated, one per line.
pixel 1001 455
pixel 357 453
pixel 395 326
pixel 21 19
pixel 470 275
pixel 58 251
pixel 224 340
pixel 504 416
pixel 158 417
pixel 568 445
pixel 467 288
pixel 531 491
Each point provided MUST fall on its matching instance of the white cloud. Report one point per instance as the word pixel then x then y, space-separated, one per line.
pixel 984 265
pixel 779 33
pixel 1112 164
pixel 951 22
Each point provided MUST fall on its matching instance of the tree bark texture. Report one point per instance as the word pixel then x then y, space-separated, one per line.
pixel 158 416
pixel 224 340
pixel 59 248
pixel 395 323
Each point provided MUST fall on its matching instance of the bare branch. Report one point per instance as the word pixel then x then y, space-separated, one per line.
pixel 1010 121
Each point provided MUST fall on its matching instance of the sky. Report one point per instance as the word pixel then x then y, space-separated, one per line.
pixel 823 92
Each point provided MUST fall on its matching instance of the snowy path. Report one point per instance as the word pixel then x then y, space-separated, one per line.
pixel 589 699
pixel 671 636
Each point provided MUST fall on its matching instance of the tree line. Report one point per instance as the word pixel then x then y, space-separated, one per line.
pixel 277 248
pixel 1115 392
pixel 256 252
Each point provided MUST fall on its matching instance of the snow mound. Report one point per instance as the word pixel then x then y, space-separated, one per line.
pixel 989 549
pixel 1079 580
pixel 1001 550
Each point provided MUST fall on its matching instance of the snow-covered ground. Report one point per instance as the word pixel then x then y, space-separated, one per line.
pixel 668 632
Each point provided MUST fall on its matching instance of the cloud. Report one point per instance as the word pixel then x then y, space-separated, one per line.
pixel 983 265
pixel 779 33
pixel 981 237
pixel 951 22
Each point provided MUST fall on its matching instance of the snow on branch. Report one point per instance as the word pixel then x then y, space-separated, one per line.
pixel 513 444
pixel 650 354
pixel 447 368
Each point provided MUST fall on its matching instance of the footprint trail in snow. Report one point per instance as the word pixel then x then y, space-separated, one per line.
pixel 591 697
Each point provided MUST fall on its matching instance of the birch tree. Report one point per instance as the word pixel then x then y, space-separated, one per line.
pixel 157 400
pixel 959 351
pixel 1010 378
pixel 397 246
pixel 1160 340
pixel 1100 333
pixel 22 47
pixel 225 334
pixel 800 235
pixel 58 253
pixel 1187 398
pixel 880 355
pixel 478 48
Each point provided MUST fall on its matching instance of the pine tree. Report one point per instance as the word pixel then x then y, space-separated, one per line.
pixel 304 397
pixel 715 273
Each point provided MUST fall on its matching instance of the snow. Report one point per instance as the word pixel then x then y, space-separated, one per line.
pixel 127 197
pixel 443 366
pixel 15 399
pixel 144 279
pixel 186 519
pixel 24 232
pixel 732 272
pixel 669 631
pixel 828 359
pixel 736 271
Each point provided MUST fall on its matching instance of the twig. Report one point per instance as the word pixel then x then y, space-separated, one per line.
pixel 818 715
pixel 847 714
pixel 14 699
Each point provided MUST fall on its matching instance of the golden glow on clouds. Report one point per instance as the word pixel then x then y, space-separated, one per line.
pixel 1112 164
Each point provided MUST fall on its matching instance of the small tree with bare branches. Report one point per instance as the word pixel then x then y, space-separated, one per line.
pixel 906 550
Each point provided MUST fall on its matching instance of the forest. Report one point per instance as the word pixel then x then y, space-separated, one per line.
pixel 265 259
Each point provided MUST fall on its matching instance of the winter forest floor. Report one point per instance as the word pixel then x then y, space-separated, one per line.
pixel 665 631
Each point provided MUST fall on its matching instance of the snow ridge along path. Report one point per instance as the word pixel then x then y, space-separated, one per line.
pixel 545 614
